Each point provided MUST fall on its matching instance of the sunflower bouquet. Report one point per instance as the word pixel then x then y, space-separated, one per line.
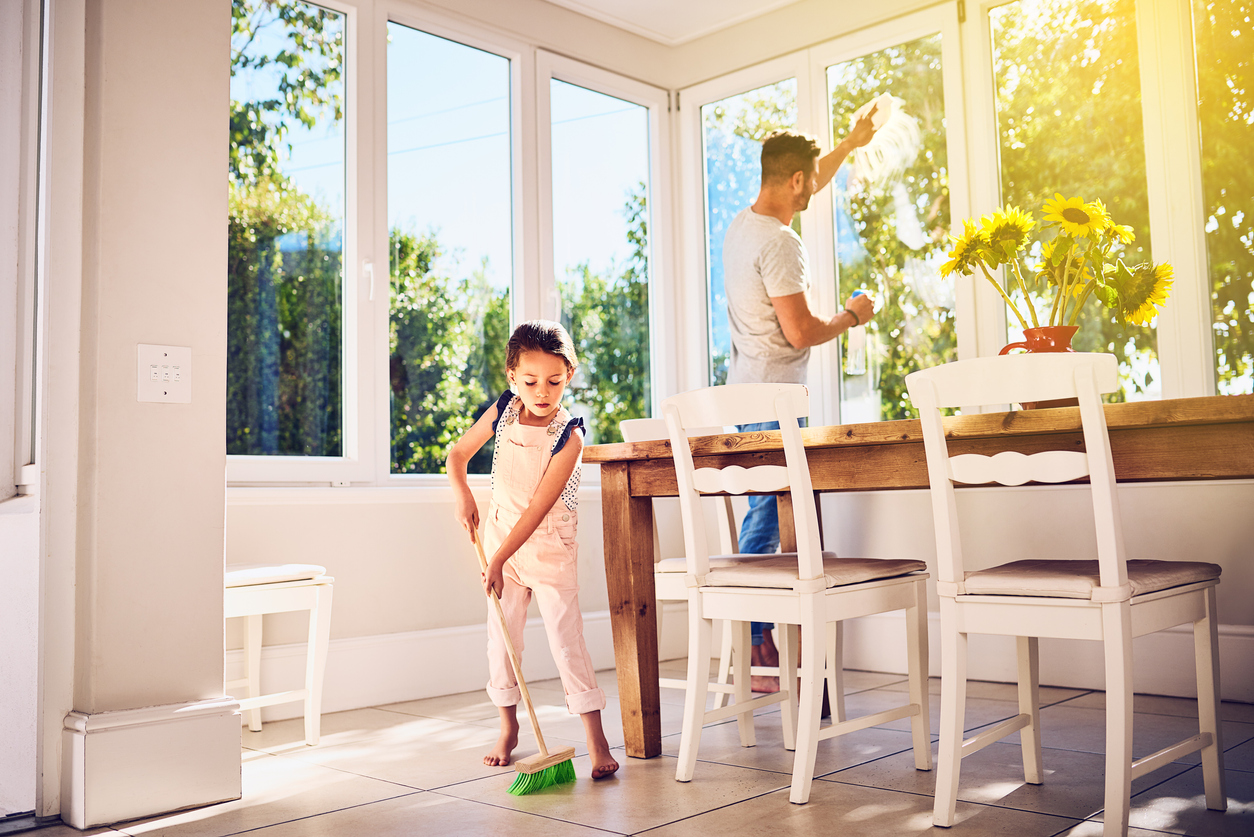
pixel 1078 258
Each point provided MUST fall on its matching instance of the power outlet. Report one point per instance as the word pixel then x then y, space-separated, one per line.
pixel 165 374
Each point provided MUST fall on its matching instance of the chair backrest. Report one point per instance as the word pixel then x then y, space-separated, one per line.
pixel 654 430
pixel 743 404
pixel 1019 378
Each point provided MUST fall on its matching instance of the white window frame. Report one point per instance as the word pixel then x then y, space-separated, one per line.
pixel 818 225
pixel 19 390
pixel 809 67
pixel 694 363
pixel 1173 169
pixel 357 382
pixel 663 324
pixel 524 291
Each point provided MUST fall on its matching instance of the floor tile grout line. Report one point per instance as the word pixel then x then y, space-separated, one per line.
pixel 530 813
pixel 295 819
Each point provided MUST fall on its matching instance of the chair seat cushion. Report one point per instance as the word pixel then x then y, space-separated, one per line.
pixel 680 565
pixel 779 571
pixel 243 575
pixel 1080 579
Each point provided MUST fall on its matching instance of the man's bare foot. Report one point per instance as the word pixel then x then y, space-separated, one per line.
pixel 765 654
pixel 603 764
pixel 504 749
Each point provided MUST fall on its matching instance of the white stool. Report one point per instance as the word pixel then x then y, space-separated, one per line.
pixel 256 589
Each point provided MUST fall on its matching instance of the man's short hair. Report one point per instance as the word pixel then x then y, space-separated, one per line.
pixel 784 153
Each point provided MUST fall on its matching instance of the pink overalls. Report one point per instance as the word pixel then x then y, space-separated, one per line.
pixel 545 564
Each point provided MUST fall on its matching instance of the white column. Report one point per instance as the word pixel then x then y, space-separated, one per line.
pixel 150 730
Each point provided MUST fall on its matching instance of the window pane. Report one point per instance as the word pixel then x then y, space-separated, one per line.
pixel 286 223
pixel 732 131
pixel 1226 110
pixel 892 230
pixel 451 243
pixel 601 251
pixel 1069 122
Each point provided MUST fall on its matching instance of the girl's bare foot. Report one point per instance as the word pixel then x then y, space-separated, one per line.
pixel 500 754
pixel 603 764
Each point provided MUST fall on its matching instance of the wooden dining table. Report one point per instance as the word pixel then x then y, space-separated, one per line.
pixel 1178 439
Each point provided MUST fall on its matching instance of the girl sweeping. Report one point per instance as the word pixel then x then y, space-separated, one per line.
pixel 530 531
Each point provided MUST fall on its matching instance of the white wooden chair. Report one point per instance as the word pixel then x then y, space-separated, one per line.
pixel 808 588
pixel 1110 599
pixel 253 590
pixel 668 573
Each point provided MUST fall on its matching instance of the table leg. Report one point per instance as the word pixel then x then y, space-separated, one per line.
pixel 787 528
pixel 633 609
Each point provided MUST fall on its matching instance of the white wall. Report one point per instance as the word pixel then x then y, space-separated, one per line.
pixel 151 476
pixel 19 652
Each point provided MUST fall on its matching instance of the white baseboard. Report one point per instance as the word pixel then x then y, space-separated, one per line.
pixel 134 763
pixel 390 668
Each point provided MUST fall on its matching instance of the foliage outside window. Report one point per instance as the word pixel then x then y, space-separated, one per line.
pixel 285 230
pixel 601 252
pixel 450 243
pixel 732 131
pixel 1069 120
pixel 891 234
pixel 1225 80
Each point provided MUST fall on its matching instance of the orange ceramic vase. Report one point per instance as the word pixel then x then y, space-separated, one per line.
pixel 1046 339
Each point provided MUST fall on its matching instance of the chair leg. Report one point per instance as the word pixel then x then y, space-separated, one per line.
pixel 316 662
pixel 743 641
pixel 812 655
pixel 916 654
pixel 1030 705
pixel 727 650
pixel 953 709
pixel 700 632
pixel 252 655
pixel 836 669
pixel 1206 655
pixel 1117 643
pixel 788 682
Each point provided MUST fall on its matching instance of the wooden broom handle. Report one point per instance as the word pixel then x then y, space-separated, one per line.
pixel 509 644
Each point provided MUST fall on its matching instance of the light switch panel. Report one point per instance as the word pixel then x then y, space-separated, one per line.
pixel 165 374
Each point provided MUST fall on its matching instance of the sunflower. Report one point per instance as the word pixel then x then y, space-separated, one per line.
pixel 1145 292
pixel 1005 232
pixel 1122 232
pixel 1053 274
pixel 967 250
pixel 1074 216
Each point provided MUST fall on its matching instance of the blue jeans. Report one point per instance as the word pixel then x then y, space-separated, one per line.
pixel 759 531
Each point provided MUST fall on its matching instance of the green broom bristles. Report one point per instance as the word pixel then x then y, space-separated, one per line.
pixel 558 774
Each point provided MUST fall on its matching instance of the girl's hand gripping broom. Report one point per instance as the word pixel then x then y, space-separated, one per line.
pixel 544 768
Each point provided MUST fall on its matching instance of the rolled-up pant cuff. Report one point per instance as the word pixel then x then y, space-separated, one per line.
pixel 504 697
pixel 592 700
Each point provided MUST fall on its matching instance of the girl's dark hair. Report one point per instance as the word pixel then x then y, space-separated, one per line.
pixel 540 336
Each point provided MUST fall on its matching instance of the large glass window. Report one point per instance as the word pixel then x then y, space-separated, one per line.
pixel 600 152
pixel 732 131
pixel 891 228
pixel 450 232
pixel 286 230
pixel 1225 80
pixel 1069 121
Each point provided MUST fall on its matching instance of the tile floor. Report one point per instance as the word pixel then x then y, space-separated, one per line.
pixel 415 769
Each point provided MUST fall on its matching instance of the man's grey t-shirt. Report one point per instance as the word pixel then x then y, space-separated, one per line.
pixel 762 258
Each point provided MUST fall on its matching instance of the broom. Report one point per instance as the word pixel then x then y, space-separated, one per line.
pixel 544 768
